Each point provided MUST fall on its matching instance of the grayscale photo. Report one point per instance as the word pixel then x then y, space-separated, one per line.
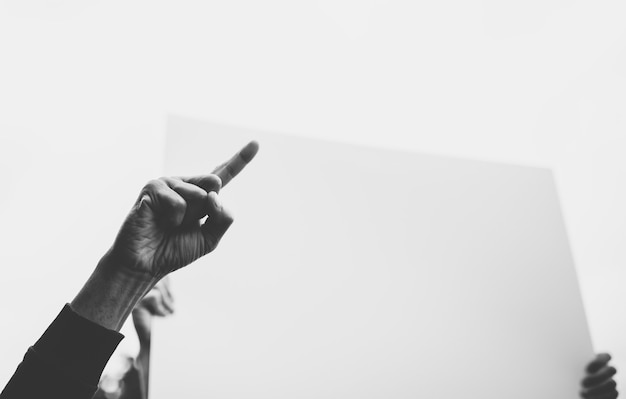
pixel 313 199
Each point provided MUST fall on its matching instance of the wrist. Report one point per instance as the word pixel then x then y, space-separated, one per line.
pixel 111 293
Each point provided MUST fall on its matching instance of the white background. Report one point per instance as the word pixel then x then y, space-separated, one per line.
pixel 85 87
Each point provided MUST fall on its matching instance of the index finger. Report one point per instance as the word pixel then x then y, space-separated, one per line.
pixel 231 168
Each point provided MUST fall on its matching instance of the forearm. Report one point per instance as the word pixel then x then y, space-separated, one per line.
pixel 69 357
pixel 110 294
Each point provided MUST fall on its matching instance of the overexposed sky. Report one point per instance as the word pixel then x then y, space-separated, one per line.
pixel 85 88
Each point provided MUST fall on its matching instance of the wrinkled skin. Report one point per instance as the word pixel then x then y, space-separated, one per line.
pixel 163 231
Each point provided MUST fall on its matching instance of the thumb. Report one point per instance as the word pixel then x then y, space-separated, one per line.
pixel 217 223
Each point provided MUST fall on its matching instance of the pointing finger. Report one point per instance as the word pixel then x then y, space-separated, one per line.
pixel 228 170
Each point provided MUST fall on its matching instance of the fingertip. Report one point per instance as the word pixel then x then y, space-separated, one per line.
pixel 250 150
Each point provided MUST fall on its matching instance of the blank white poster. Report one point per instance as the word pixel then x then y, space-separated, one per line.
pixel 354 272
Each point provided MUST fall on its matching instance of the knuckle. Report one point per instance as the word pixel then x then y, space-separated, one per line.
pixel 152 185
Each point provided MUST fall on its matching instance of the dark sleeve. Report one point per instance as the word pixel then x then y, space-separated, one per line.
pixel 66 362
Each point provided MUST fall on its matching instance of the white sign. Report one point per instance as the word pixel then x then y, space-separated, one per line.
pixel 353 272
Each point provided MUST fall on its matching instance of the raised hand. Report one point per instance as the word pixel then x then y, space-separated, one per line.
pixel 599 382
pixel 163 231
